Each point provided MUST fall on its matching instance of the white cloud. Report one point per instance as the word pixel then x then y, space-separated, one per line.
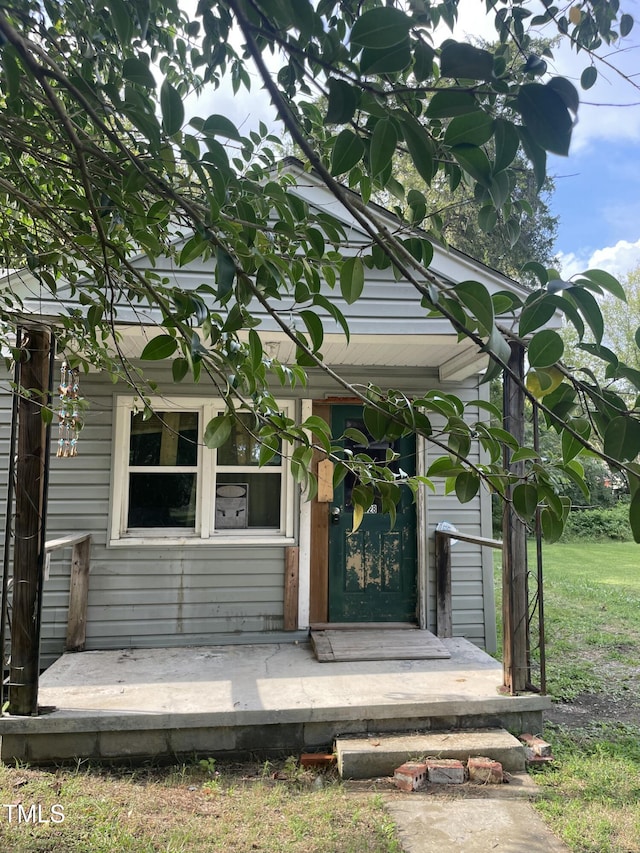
pixel 617 260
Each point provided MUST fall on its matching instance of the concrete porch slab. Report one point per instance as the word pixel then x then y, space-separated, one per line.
pixel 230 700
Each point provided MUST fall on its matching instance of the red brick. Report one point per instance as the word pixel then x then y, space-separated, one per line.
pixel 317 759
pixel 410 776
pixel 485 770
pixel 445 771
pixel 536 744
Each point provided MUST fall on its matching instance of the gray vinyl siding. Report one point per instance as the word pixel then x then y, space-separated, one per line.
pixel 471 565
pixel 147 596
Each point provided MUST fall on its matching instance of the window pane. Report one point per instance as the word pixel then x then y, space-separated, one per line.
pixel 166 438
pixel 162 500
pixel 242 448
pixel 247 500
pixel 377 450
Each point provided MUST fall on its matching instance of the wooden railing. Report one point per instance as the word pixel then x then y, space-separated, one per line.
pixel 78 585
pixel 443 574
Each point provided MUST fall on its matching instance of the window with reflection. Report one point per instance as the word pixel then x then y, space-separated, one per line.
pixel 163 470
pixel 247 496
pixel 167 484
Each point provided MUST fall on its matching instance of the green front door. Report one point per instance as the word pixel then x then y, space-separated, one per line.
pixel 372 572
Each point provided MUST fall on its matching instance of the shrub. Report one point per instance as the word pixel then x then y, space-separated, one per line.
pixel 599 523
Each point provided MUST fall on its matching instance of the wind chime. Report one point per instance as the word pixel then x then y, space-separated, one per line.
pixel 69 414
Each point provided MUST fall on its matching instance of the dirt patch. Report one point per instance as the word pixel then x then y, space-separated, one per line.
pixel 589 708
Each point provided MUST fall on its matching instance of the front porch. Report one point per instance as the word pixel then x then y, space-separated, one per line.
pixel 231 700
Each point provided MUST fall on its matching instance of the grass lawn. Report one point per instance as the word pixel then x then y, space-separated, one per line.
pixel 274 808
pixel 592 607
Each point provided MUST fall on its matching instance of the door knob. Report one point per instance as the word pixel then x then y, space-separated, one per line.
pixel 335 515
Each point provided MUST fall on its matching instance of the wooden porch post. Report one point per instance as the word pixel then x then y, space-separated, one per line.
pixel 514 536
pixel 28 556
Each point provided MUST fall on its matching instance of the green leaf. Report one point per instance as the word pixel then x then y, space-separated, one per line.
pixel 637 336
pixel 192 249
pixel 524 453
pixel 217 125
pixel 552 526
pixel 535 315
pixel 351 279
pixel 342 102
pixel 218 430
pixel 448 103
pixel 255 349
pixel 348 150
pixel 536 154
pixel 444 466
pixel 546 117
pixel 626 25
pixel 497 345
pixel 600 351
pixel 225 272
pixel 269 447
pixel 386 60
pixel 545 349
pixel 500 190
pixel 377 423
pixel 476 299
pixel 121 18
pixel 467 485
pixel 383 145
pixel 525 500
pixel 335 312
pixel 575 472
pixel 136 71
pixel 314 327
pixel 12 70
pixel 538 270
pixel 420 147
pixel 179 369
pixel 473 129
pixel 622 439
pixel 163 346
pixel 634 516
pixel 507 143
pixel 380 28
pixel 357 436
pixel 424 55
pixel 567 92
pixel 590 310
pixel 487 218
pixel 172 109
pixel 606 281
pixel 588 77
pixel 474 162
pixel 465 61
pixel 571 446
pixel 340 471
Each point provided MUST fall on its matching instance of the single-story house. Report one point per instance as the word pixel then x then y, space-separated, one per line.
pixel 192 546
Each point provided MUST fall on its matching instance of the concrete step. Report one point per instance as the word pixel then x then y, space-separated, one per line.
pixel 366 758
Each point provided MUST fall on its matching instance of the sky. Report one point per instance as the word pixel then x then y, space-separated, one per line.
pixel 597 187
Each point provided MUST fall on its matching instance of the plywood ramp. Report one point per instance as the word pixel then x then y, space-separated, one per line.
pixel 369 643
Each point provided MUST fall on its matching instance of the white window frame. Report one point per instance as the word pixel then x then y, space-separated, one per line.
pixel 206 471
